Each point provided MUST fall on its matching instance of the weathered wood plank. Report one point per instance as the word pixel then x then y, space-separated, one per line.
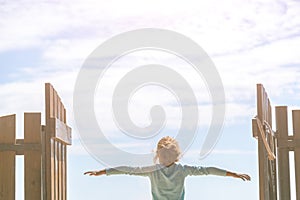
pixel 49 102
pixel 59 170
pixel 20 148
pixel 255 130
pixel 272 163
pixel 55 107
pixel 52 167
pixel 48 142
pixel 57 136
pixel 263 185
pixel 63 132
pixel 64 171
pixel 296 127
pixel 7 158
pixel 283 154
pixel 56 170
pixel 60 131
pixel 32 159
pixel 65 116
pixel 44 182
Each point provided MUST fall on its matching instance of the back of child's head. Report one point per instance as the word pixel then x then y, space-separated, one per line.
pixel 167 151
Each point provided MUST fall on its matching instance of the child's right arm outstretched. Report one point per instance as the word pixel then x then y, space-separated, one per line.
pixel 138 171
pixel 95 173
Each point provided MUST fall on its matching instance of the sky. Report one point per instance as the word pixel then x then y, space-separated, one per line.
pixel 249 42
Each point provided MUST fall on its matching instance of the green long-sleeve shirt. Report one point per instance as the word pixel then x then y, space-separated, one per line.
pixel 167 183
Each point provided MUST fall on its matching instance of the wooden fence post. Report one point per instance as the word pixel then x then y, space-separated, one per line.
pixel 270 143
pixel 261 149
pixel 262 130
pixel 44 150
pixel 7 158
pixel 32 159
pixel 296 127
pixel 283 153
pixel 57 136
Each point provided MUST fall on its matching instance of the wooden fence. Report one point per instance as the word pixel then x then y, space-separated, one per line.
pixel 274 148
pixel 44 150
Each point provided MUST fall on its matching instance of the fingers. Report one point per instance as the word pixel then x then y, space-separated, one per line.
pixel 90 173
pixel 244 177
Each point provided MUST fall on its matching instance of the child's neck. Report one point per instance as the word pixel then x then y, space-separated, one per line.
pixel 168 165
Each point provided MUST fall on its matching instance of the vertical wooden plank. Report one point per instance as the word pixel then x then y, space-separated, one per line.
pixel 262 170
pixel 56 170
pixel 7 158
pixel 55 100
pixel 65 116
pixel 261 149
pixel 49 97
pixel 296 127
pixel 53 170
pixel 58 108
pixel 62 112
pixel 48 148
pixel 44 182
pixel 272 163
pixel 32 159
pixel 265 105
pixel 270 113
pixel 59 170
pixel 259 89
pixel 64 183
pixel 275 168
pixel 283 153
pixel 65 172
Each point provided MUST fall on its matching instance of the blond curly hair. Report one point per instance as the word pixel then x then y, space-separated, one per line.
pixel 167 151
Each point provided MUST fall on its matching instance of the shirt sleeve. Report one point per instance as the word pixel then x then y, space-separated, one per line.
pixel 196 171
pixel 137 171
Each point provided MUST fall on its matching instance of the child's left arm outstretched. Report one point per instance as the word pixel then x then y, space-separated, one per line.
pixel 244 177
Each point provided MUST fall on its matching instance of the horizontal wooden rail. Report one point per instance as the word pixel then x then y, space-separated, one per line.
pixel 291 144
pixel 60 131
pixel 20 148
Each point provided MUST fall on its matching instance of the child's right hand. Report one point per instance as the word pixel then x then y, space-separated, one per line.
pixel 95 173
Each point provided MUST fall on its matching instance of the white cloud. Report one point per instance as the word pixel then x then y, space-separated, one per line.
pixel 251 44
pixel 250 41
pixel 30 23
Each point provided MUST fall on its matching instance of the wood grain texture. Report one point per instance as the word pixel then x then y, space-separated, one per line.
pixel 32 159
pixel 296 127
pixel 7 158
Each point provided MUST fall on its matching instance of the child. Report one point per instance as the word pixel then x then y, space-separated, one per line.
pixel 167 177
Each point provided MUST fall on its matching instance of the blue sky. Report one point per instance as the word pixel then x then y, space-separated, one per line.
pixel 250 42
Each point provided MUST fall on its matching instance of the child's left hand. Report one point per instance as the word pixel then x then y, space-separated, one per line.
pixel 244 177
